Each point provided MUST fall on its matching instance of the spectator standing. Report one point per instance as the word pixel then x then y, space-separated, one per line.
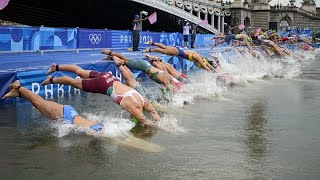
pixel 136 31
pixel 193 34
pixel 186 31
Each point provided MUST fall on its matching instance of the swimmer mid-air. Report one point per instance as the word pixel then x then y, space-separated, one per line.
pixel 66 113
pixel 50 109
pixel 107 84
pixel 202 62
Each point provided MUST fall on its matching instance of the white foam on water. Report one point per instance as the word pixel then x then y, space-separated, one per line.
pixel 116 131
pixel 244 68
pixel 114 125
pixel 170 124
pixel 201 84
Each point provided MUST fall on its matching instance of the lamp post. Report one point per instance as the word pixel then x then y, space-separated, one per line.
pixel 142 13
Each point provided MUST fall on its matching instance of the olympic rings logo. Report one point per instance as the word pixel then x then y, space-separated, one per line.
pixel 95 38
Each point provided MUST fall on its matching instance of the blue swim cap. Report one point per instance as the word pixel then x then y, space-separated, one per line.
pixel 136 16
pixel 97 127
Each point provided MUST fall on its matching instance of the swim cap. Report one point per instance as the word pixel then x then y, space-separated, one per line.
pixel 135 120
pixel 96 127
pixel 136 16
pixel 274 31
pixel 212 62
pixel 249 39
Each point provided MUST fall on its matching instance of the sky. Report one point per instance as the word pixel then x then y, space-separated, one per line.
pixel 285 2
pixel 297 3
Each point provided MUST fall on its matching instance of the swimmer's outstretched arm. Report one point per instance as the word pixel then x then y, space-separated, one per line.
pixel 248 44
pixel 111 53
pixel 149 107
pixel 126 72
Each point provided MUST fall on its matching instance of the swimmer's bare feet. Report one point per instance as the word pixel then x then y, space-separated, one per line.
pixel 147 50
pixel 152 58
pixel 117 60
pixel 106 51
pixel 148 56
pixel 15 84
pixel 108 58
pixel 48 80
pixel 52 69
pixel 149 42
pixel 12 93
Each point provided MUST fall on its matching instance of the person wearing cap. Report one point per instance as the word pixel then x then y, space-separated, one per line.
pixel 136 31
pixel 186 29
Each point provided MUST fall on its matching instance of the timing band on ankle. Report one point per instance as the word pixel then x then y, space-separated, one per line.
pixel 19 91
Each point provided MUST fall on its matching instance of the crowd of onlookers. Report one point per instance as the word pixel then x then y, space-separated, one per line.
pixel 9 23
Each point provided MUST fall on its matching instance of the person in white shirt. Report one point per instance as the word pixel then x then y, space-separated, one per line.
pixel 186 29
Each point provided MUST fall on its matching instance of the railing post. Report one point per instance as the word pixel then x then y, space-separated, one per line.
pixel 212 20
pixel 219 23
pixel 222 24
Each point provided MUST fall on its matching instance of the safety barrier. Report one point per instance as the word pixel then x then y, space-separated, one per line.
pixel 14 38
pixel 32 78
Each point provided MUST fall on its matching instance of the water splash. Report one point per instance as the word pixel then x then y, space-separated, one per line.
pixel 244 68
pixel 169 123
pixel 116 130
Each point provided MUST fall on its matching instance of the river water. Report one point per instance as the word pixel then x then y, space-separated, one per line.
pixel 265 127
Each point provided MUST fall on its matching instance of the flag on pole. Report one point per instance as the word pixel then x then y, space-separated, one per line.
pixel 3 4
pixel 258 30
pixel 241 26
pixel 153 18
pixel 204 22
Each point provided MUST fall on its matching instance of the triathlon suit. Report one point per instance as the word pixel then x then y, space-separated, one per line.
pixel 118 98
pixel 229 37
pixel 285 39
pixel 145 67
pixel 99 82
pixel 256 41
pixel 184 55
pixel 103 83
pixel 69 113
pixel 190 57
pixel 306 47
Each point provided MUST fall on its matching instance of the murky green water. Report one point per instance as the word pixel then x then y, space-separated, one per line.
pixel 267 129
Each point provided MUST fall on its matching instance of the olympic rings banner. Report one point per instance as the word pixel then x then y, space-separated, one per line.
pixel 92 38
pixel 46 38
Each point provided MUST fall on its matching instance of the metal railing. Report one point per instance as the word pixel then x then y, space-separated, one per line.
pixel 177 12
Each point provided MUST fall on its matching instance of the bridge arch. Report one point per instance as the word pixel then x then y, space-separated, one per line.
pixel 247 24
pixel 285 23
